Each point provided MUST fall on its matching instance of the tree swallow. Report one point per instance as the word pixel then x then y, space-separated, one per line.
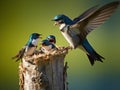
pixel 75 31
pixel 47 46
pixel 51 39
pixel 29 48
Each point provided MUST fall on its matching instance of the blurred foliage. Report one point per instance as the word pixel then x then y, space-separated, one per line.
pixel 20 18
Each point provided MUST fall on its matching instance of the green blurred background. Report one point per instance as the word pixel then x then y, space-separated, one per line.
pixel 20 18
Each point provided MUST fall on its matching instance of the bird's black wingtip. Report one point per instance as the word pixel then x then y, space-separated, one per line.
pixel 91 60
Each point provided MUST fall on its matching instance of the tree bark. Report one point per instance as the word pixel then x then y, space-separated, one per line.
pixel 44 71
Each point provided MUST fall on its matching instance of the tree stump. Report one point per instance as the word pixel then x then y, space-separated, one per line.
pixel 44 71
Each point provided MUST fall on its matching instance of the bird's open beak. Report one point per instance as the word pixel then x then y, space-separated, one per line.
pixel 40 36
pixel 57 23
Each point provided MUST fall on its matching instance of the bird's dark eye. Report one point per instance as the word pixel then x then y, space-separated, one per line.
pixel 51 40
pixel 43 44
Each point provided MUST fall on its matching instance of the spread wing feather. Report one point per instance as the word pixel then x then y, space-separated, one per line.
pixel 86 14
pixel 94 20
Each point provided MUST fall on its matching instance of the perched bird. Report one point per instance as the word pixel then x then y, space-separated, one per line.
pixel 52 39
pixel 29 48
pixel 76 30
pixel 47 46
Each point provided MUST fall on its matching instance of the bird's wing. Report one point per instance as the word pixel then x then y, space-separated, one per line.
pixel 95 19
pixel 19 55
pixel 86 14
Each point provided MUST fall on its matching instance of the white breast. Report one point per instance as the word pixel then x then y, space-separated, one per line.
pixel 35 42
pixel 30 51
pixel 67 35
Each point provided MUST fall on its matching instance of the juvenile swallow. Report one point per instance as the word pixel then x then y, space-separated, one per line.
pixel 29 48
pixel 75 31
pixel 52 39
pixel 47 46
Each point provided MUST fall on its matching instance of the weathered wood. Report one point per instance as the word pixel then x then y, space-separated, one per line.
pixel 44 71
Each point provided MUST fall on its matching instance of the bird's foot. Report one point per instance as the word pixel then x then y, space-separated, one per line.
pixel 70 47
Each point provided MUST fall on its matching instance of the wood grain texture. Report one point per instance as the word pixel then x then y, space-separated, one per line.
pixel 44 71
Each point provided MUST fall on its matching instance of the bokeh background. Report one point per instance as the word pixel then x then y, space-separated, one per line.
pixel 20 18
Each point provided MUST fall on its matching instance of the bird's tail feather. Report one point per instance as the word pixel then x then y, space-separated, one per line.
pixel 95 57
pixel 19 55
pixel 91 53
